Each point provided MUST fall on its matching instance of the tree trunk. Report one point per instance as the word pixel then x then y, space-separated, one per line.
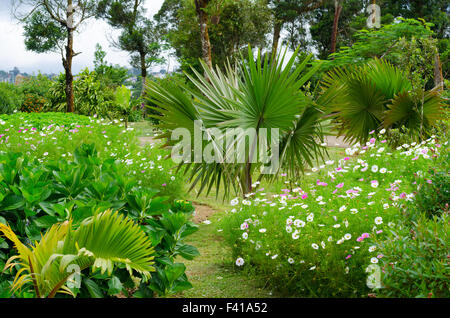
pixel 204 34
pixel 246 182
pixel 438 77
pixel 276 37
pixel 337 13
pixel 68 69
pixel 144 79
pixel 143 73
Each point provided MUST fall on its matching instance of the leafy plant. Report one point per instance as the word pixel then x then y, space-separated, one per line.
pixel 378 95
pixel 33 103
pixel 92 95
pixel 253 95
pixel 10 98
pixel 35 195
pixel 433 197
pixel 415 260
pixel 122 100
pixel 99 242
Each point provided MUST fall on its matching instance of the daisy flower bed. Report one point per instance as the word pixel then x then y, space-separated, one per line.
pixel 332 235
pixel 51 136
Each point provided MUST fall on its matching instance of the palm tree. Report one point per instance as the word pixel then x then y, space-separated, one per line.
pixel 252 95
pixel 375 96
pixel 99 242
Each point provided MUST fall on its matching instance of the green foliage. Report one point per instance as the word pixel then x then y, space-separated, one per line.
pixel 53 136
pixel 43 33
pixel 113 76
pixel 139 37
pixel 33 103
pixel 10 98
pixel 434 198
pixel 380 43
pixel 37 195
pixel 433 194
pixel 318 237
pixel 433 11
pixel 101 242
pixel 375 95
pixel 416 56
pixel 241 23
pixel 38 85
pixel 92 95
pixel 171 81
pixel 416 260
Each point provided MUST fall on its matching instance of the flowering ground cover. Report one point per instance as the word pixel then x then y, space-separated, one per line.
pixel 330 235
pixel 366 217
pixel 48 136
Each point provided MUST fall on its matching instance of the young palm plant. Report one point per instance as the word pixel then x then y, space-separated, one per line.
pixel 263 96
pixel 375 96
pixel 122 100
pixel 99 242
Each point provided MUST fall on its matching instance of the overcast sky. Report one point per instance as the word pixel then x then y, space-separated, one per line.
pixel 13 52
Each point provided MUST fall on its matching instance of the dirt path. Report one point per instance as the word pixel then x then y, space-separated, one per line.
pixel 333 141
pixel 213 273
pixel 146 140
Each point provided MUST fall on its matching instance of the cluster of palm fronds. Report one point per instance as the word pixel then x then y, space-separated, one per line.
pixel 375 96
pixel 252 95
pixel 99 242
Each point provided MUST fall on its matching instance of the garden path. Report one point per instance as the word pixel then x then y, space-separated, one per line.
pixel 212 273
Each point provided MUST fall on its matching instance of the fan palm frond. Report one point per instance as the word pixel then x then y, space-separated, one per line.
pixel 99 242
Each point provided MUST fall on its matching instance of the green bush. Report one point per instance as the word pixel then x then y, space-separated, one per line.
pixel 433 197
pixel 34 195
pixel 91 95
pixel 10 98
pixel 38 85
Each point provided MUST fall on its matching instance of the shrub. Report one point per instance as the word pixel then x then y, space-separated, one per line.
pixel 319 238
pixel 416 260
pixel 433 197
pixel 33 103
pixel 91 95
pixel 38 85
pixel 10 98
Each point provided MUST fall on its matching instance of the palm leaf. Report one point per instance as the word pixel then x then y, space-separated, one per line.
pixel 251 95
pixel 99 242
pixel 406 110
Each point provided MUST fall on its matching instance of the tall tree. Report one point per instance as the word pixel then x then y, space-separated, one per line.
pixel 139 36
pixel 50 23
pixel 285 11
pixel 242 22
pixel 337 17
